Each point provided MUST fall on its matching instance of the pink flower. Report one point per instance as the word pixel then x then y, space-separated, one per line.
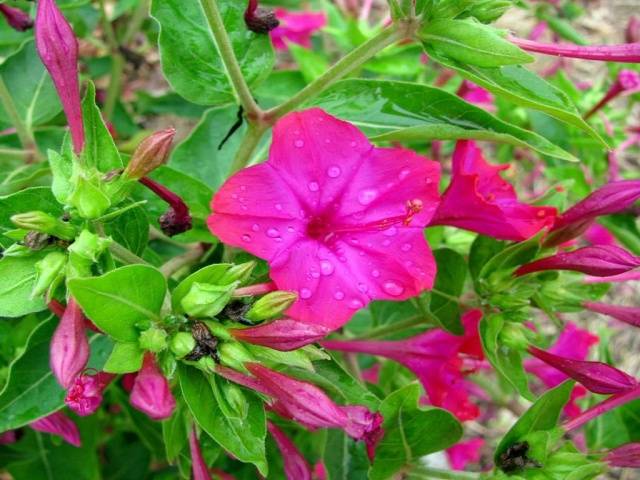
pixel 439 360
pixel 339 221
pixel 85 394
pixel 626 456
pixel 473 93
pixel 296 466
pixel 198 465
pixel 463 453
pixel 69 349
pixel 296 27
pixel 630 315
pixel 283 335
pixel 58 424
pixel 625 53
pixel 623 277
pixel 628 82
pixel 478 199
pixel 151 393
pixel 596 234
pixel 598 260
pixel 16 18
pixel 58 49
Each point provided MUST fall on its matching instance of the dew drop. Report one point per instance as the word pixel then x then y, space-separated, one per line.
pixel 334 171
pixel 390 232
pixel 375 273
pixel 403 173
pixel 246 238
pixel 299 143
pixel 326 267
pixel 255 227
pixel 338 295
pixel 315 274
pixel 363 287
pixel 366 196
pixel 355 304
pixel 305 293
pixel 313 186
pixel 278 206
pixel 273 233
pixel 405 247
pixel 353 144
pixel 291 229
pixel 386 243
pixel 392 288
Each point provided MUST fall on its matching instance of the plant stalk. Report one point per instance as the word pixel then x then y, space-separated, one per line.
pixel 23 132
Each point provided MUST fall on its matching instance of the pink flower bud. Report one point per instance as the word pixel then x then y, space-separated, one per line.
pixel 16 18
pixel 58 424
pixel 597 260
pixel 626 456
pixel 625 53
pixel 463 453
pixel 85 394
pixel 632 33
pixel 596 377
pixel 284 335
pixel 198 465
pixel 9 437
pixel 151 393
pixel 175 220
pixel 58 49
pixel 630 315
pixel 628 81
pixel 69 349
pixel 152 153
pixel 296 466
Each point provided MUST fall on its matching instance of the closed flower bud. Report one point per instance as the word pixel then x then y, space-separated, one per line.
pixel 48 270
pixel 284 335
pixel 85 394
pixel 151 393
pixel 514 336
pixel 182 344
pixel 44 223
pixel 207 300
pixel 234 355
pixel 630 315
pixel 152 153
pixel 270 306
pixel 632 33
pixel 296 466
pixel 89 246
pixel 626 456
pixel 238 273
pixel 153 339
pixel 69 349
pixel 88 199
pixel 58 424
pixel 16 18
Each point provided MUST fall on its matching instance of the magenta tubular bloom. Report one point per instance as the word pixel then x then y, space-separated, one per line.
pixel 58 48
pixel 436 357
pixel 151 393
pixel 284 335
pixel 628 81
pixel 69 349
pixel 478 199
pixel 597 260
pixel 625 53
pixel 175 220
pixel 626 456
pixel 296 27
pixel 464 453
pixel 16 18
pixel 339 221
pixel 58 424
pixel 597 377
pixel 630 315
pixel 85 394
pixel 296 466
pixel 198 465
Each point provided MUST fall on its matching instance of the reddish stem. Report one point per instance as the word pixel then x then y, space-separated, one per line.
pixel 601 408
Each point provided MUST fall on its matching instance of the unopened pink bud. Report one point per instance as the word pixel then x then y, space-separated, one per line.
pixel 626 456
pixel 596 260
pixel 283 335
pixel 630 315
pixel 58 48
pixel 198 465
pixel 596 377
pixel 152 153
pixel 85 394
pixel 58 424
pixel 296 466
pixel 625 53
pixel 69 349
pixel 632 33
pixel 16 18
pixel 151 393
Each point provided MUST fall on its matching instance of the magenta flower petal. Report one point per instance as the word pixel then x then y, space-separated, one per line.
pixel 630 315
pixel 151 393
pixel 597 260
pixel 296 27
pixel 198 465
pixel 464 453
pixel 69 349
pixel 284 335
pixel 596 234
pixel 58 424
pixel 85 394
pixel 478 199
pixel 58 48
pixel 296 466
pixel 339 221
pixel 626 456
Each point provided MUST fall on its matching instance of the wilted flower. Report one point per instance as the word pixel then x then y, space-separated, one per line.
pixel 69 349
pixel 175 220
pixel 339 221
pixel 630 315
pixel 258 19
pixel 463 453
pixel 152 153
pixel 85 394
pixel 16 18
pixel 296 27
pixel 285 334
pixel 58 424
pixel 478 199
pixel 151 393
pixel 198 465
pixel 296 466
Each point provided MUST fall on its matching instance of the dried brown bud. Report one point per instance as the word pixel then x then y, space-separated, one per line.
pixel 260 20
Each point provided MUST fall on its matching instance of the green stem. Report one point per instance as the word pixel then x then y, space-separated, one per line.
pixel 125 255
pixel 343 67
pixel 24 134
pixel 247 147
pixel 451 298
pixel 424 473
pixel 136 20
pixel 14 153
pixel 212 12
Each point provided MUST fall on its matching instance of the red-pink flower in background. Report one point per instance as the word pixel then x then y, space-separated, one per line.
pixel 464 453
pixel 69 349
pixel 151 393
pixel 596 234
pixel 296 466
pixel 58 424
pixel 16 18
pixel 629 315
pixel 478 199
pixel 85 393
pixel 339 221
pixel 625 456
pixel 473 93
pixel 296 27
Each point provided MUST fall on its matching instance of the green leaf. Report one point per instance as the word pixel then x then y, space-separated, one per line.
pixel 17 279
pixel 482 250
pixel 311 63
pixel 244 438
pixel 209 274
pixel 31 88
pixel 507 361
pixel 452 273
pixel 124 358
pixel 189 55
pixel 62 171
pixel 411 432
pixel 524 88
pixel 30 199
pixel 472 43
pixel 344 458
pixel 402 111
pixel 174 433
pixel 118 300
pixel 131 229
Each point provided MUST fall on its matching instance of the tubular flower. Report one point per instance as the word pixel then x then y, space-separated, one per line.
pixel 597 260
pixel 58 49
pixel 85 394
pixel 296 27
pixel 630 315
pixel 177 219
pixel 464 453
pixel 58 424
pixel 16 18
pixel 628 81
pixel 478 199
pixel 284 335
pixel 198 465
pixel 69 349
pixel 626 456
pixel 436 357
pixel 296 466
pixel 151 393
pixel 339 221
pixel 625 53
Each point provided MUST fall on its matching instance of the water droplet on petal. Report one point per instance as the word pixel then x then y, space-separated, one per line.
pixel 355 304
pixel 291 229
pixel 326 267
pixel 405 247
pixel 375 273
pixel 273 233
pixel 246 238
pixel 255 227
pixel 243 188
pixel 338 295
pixel 386 243
pixel 404 173
pixel 334 171
pixel 354 144
pixel 305 293
pixel 313 186
pixel 366 196
pixel 392 288
pixel 278 206
pixel 315 274
pixel 299 143
pixel 363 287
pixel 390 232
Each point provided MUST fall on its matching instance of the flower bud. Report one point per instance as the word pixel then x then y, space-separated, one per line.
pixel 626 456
pixel 284 335
pixel 44 223
pixel 207 300
pixel 58 424
pixel 89 246
pixel 69 349
pixel 85 394
pixel 8 437
pixel 630 315
pixel 234 355
pixel 177 219
pixel 32 241
pixel 235 399
pixel 58 49
pixel 198 465
pixel 632 33
pixel 295 465
pixel 237 273
pixel 90 201
pixel 16 18
pixel 514 336
pixel 488 11
pixel 48 271
pixel 153 339
pixel 152 153
pixel 259 20
pixel 270 306
pixel 182 344
pixel 151 393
